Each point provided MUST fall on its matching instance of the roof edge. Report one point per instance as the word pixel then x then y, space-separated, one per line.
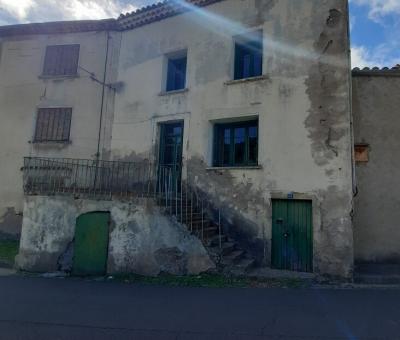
pixel 159 11
pixel 376 71
pixel 59 27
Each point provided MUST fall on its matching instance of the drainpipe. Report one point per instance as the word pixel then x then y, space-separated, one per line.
pixel 101 110
pixel 353 172
pixel 102 97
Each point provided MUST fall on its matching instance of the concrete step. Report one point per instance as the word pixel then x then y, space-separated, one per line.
pixel 208 232
pixel 375 273
pixel 377 269
pixel 226 249
pixel 241 268
pixel 214 242
pixel 233 258
pixel 199 225
pixel 377 279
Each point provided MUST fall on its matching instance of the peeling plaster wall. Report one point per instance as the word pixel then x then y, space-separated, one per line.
pixel 302 102
pixel 376 104
pixel 22 92
pixel 141 240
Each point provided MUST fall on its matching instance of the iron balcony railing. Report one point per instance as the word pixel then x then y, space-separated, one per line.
pixel 107 180
pixel 87 178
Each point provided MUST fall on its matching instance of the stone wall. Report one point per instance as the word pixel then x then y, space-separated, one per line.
pixel 376 108
pixel 141 240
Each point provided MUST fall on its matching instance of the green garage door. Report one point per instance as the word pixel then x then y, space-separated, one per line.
pixel 292 235
pixel 91 244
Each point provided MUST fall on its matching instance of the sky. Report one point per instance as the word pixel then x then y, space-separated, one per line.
pixel 375 24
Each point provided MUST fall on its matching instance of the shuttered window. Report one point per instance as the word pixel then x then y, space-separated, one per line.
pixel 236 144
pixel 248 55
pixel 61 60
pixel 53 125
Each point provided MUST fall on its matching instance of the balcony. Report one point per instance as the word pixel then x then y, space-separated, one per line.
pixel 94 179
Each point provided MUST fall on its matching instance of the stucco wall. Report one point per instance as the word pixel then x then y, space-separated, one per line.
pixel 376 104
pixel 22 92
pixel 141 239
pixel 302 103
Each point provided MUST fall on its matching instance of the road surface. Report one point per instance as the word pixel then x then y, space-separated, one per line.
pixel 39 308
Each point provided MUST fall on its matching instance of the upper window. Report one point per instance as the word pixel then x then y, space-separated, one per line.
pixel 61 60
pixel 176 74
pixel 248 55
pixel 236 144
pixel 53 125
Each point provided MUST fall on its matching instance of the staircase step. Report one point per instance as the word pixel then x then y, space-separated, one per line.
pixel 241 268
pixel 208 232
pixel 214 242
pixel 232 258
pixel 198 225
pixel 377 279
pixel 245 264
pixel 226 249
pixel 375 273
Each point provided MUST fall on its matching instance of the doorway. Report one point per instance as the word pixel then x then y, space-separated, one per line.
pixel 292 235
pixel 91 244
pixel 170 158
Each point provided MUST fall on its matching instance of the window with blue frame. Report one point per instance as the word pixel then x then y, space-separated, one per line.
pixel 176 74
pixel 248 55
pixel 236 144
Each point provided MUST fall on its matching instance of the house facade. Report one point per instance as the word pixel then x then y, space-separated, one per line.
pixel 51 100
pixel 227 122
pixel 376 103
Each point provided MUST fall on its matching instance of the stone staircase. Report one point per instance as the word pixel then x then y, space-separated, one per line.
pixel 195 214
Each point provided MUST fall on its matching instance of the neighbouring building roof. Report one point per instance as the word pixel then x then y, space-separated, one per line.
pixel 159 11
pixel 376 71
pixel 59 27
pixel 140 17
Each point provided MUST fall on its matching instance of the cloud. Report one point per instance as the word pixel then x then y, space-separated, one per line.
pixel 386 13
pixel 18 9
pixel 380 56
pixel 22 11
pixel 360 57
pixel 380 8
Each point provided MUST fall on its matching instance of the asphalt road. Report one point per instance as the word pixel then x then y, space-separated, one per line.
pixel 37 308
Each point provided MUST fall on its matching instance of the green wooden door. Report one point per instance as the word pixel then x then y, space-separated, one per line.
pixel 91 244
pixel 292 235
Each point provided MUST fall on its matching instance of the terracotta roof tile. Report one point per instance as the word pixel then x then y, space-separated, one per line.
pixel 376 71
pixel 157 12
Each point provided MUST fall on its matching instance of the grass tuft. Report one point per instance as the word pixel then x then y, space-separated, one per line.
pixel 8 251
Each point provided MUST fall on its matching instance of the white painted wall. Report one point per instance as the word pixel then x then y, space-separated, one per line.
pixel 23 91
pixel 302 148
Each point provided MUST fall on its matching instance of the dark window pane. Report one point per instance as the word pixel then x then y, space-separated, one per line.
pixel 240 137
pixel 236 144
pixel 61 60
pixel 248 55
pixel 227 147
pixel 253 145
pixel 176 78
pixel 53 125
pixel 169 154
pixel 247 65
